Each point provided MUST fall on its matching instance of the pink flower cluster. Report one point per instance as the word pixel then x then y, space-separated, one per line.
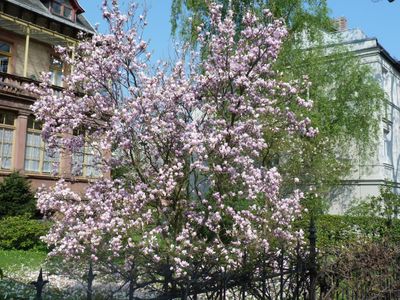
pixel 190 139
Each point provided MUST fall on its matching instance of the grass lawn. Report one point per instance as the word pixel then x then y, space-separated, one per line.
pixel 20 268
pixel 15 265
pixel 15 260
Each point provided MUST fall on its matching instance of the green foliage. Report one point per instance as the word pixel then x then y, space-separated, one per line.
pixel 13 260
pixel 187 15
pixel 346 101
pixel 375 220
pixel 386 206
pixel 346 96
pixel 340 231
pixel 22 233
pixel 16 197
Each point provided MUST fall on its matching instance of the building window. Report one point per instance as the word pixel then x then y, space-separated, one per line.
pixel 63 9
pixel 7 127
pixel 83 160
pixel 67 13
pixel 5 56
pixel 56 69
pixel 387 145
pixel 37 158
pixel 83 163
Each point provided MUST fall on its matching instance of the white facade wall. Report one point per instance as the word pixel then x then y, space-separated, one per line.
pixel 384 165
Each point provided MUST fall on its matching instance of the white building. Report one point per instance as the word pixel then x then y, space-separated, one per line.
pixel 384 165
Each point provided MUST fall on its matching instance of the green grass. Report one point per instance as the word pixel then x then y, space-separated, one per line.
pixel 13 260
pixel 16 263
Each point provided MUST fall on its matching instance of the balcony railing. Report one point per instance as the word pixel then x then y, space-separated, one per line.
pixel 15 85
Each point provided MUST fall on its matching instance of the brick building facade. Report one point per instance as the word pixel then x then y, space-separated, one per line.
pixel 29 30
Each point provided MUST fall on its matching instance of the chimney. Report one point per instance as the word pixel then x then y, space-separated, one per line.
pixel 340 24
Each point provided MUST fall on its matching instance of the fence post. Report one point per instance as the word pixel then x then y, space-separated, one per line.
pixel 90 278
pixel 264 274
pixel 39 284
pixel 281 275
pixel 313 258
pixel 244 283
pixel 299 269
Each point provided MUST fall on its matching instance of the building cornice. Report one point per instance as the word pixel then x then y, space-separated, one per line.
pixel 45 13
pixel 23 25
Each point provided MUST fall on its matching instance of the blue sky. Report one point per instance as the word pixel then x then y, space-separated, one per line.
pixel 377 18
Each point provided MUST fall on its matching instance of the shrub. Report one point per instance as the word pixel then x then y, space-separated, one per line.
pixel 22 233
pixel 16 197
pixel 335 230
pixel 366 266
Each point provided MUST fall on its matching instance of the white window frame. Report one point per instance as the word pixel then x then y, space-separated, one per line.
pixel 42 151
pixel 83 162
pixel 8 55
pixel 7 127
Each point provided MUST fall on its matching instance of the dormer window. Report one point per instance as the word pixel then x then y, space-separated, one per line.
pixel 67 9
pixel 67 12
pixel 62 8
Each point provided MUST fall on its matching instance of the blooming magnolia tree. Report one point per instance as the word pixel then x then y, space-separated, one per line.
pixel 195 199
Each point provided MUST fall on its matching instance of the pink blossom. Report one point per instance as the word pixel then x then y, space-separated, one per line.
pixel 190 139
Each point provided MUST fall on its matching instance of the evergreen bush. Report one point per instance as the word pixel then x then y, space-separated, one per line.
pixel 16 197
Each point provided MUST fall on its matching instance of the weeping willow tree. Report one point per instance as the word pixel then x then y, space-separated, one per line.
pixel 347 98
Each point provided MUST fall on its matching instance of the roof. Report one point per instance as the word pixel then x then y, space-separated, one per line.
pixel 76 4
pixel 353 37
pixel 375 44
pixel 395 63
pixel 38 7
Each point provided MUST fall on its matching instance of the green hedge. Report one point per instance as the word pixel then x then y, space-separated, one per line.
pixel 22 233
pixel 334 230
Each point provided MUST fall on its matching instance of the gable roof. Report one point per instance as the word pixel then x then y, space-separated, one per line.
pixel 38 7
pixel 79 8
